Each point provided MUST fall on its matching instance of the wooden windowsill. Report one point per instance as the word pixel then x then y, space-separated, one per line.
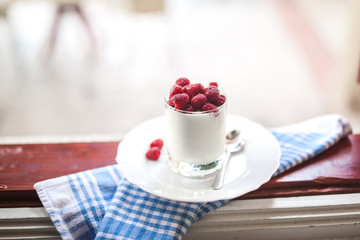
pixel 335 171
pixel 316 200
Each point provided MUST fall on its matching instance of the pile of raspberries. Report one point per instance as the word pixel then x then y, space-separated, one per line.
pixel 194 97
pixel 191 97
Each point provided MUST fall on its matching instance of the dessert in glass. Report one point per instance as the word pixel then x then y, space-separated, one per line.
pixel 195 128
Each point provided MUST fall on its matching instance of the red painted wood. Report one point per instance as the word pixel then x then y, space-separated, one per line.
pixel 21 166
pixel 341 161
pixel 336 170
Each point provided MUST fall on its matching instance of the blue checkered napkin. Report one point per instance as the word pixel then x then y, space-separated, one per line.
pixel 77 203
pixel 101 204
pixel 135 214
pixel 302 141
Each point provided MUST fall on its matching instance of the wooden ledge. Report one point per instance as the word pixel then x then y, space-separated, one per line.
pixel 335 171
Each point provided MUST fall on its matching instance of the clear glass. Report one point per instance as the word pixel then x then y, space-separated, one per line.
pixel 195 140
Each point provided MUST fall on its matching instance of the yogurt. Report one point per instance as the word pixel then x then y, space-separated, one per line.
pixel 195 140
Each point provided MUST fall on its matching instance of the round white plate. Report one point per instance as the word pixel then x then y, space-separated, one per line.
pixel 246 171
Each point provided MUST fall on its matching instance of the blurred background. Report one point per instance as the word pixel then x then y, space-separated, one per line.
pixel 101 67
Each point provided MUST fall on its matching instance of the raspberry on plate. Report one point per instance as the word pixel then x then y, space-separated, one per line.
pixel 157 143
pixel 182 82
pixel 212 93
pixel 198 101
pixel 180 100
pixel 153 153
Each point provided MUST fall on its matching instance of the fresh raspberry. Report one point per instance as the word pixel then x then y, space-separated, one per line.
pixel 182 82
pixel 175 90
pixel 180 100
pixel 208 107
pixel 189 94
pixel 157 143
pixel 221 100
pixel 195 89
pixel 212 93
pixel 213 84
pixel 184 88
pixel 189 108
pixel 198 101
pixel 153 153
pixel 171 103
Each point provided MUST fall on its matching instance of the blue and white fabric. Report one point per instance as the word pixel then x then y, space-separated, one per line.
pixel 101 204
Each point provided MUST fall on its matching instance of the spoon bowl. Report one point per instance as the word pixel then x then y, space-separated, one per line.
pixel 232 135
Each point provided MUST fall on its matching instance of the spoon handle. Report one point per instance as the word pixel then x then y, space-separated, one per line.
pixel 219 179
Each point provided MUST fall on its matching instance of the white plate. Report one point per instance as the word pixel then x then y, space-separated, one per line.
pixel 246 171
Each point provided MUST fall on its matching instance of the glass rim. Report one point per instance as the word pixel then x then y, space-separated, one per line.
pixel 196 112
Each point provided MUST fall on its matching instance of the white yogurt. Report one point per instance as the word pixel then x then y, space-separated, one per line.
pixel 196 138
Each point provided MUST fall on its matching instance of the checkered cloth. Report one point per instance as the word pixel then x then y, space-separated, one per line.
pixel 101 204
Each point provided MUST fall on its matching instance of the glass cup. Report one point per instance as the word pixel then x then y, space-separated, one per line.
pixel 195 140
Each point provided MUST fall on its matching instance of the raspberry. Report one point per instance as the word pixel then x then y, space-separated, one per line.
pixel 195 89
pixel 182 82
pixel 180 100
pixel 208 107
pixel 198 101
pixel 212 93
pixel 184 88
pixel 221 100
pixel 171 103
pixel 175 90
pixel 157 143
pixel 153 153
pixel 213 84
pixel 188 95
pixel 189 108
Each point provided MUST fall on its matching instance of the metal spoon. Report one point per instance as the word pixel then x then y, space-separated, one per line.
pixel 232 135
pixel 231 147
